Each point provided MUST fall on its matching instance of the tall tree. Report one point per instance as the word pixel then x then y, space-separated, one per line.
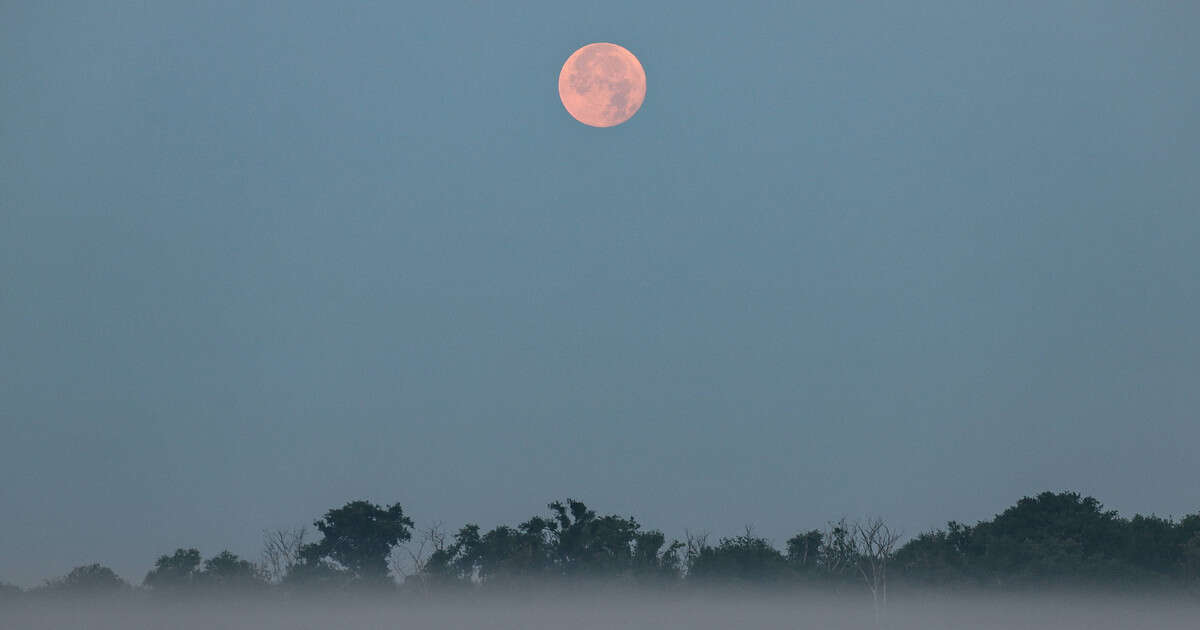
pixel 281 552
pixel 839 551
pixel 803 550
pixel 876 544
pixel 359 536
pixel 587 544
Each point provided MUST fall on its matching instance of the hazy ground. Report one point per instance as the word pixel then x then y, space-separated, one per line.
pixel 588 612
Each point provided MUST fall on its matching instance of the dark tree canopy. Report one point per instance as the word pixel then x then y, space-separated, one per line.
pixel 588 544
pixel 745 558
pixel 178 570
pixel 1053 538
pixel 803 550
pixel 506 553
pixel 182 571
pixel 227 571
pixel 358 537
pixel 573 542
pixel 90 579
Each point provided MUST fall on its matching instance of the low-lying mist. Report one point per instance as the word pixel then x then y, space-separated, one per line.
pixel 598 609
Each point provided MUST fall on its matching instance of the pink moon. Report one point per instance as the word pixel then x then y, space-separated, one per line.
pixel 602 85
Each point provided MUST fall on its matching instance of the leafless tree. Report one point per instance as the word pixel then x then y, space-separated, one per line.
pixel 876 543
pixel 696 543
pixel 281 551
pixel 408 562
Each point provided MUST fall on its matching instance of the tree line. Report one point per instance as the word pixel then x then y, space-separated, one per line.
pixel 1049 539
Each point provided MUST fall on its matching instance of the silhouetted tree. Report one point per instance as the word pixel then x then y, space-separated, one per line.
pixel 358 537
pixel 318 575
pixel 586 544
pixel 227 572
pixel 876 542
pixel 653 558
pixel 87 580
pixel 455 563
pixel 1052 538
pixel 1188 537
pixel 174 572
pixel 745 558
pixel 938 557
pixel 1191 558
pixel 281 552
pixel 412 566
pixel 508 554
pixel 839 552
pixel 803 551
pixel 574 542
pixel 1048 539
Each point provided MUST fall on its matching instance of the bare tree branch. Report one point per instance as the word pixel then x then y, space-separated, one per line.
pixel 409 561
pixel 876 543
pixel 281 552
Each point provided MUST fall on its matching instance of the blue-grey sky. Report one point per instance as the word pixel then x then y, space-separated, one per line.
pixel 912 260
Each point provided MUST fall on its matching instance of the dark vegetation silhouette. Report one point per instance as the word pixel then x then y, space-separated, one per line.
pixel 183 572
pixel 91 581
pixel 1052 539
pixel 355 544
pixel 1055 539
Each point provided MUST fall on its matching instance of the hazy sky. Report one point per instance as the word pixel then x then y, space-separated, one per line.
pixel 913 260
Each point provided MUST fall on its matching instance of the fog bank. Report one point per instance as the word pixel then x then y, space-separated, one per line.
pixel 606 610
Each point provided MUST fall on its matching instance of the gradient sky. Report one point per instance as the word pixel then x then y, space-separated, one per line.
pixel 910 260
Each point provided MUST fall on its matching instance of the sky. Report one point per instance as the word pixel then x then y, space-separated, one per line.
pixel 913 261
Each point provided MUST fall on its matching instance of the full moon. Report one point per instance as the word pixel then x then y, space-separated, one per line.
pixel 602 85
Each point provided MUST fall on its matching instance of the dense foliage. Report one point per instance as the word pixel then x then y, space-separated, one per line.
pixel 89 580
pixel 356 540
pixel 1056 538
pixel 1050 539
pixel 573 543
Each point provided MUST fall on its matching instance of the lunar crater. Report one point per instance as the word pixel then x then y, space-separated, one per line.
pixel 602 85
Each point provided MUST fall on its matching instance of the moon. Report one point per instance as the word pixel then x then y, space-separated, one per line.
pixel 602 85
